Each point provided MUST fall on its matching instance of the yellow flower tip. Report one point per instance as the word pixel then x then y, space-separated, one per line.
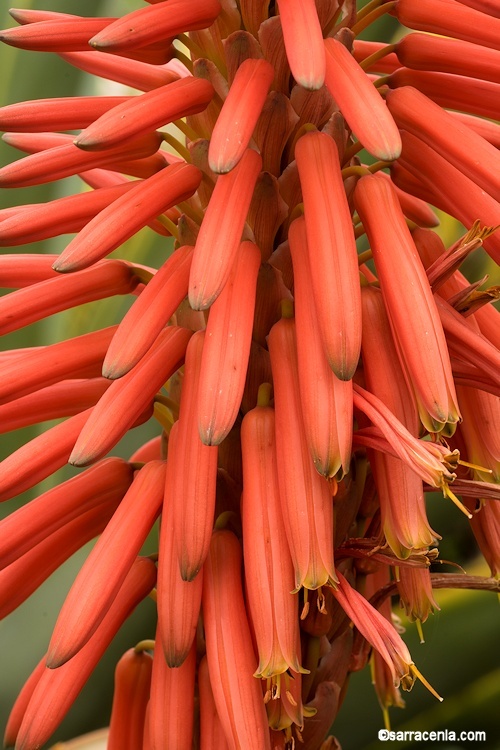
pixel 416 674
pixel 451 495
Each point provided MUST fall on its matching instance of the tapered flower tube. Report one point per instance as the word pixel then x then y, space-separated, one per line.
pixel 428 52
pixel 381 634
pixel 239 114
pixel 432 461
pixel 211 733
pixel 108 564
pixel 303 39
pixel 178 601
pixel 193 483
pixel 51 296
pixel 34 369
pixel 130 700
pixel 63 160
pixel 150 312
pixel 106 481
pixel 129 397
pixel 23 576
pixel 306 500
pixel 420 340
pixel 64 113
pixel 400 490
pixel 418 115
pixel 230 654
pixel 57 689
pixel 415 591
pixel 172 702
pixel 451 190
pixel 64 399
pixel 164 19
pixel 360 103
pixel 135 73
pixel 146 112
pixel 221 230
pixel 60 35
pixel 269 574
pixel 326 400
pixel 472 95
pixel 333 256
pixel 128 214
pixel 449 18
pixel 226 348
pixel 70 214
pixel 40 457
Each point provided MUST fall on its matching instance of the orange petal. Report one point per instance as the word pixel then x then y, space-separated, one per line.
pixel 333 255
pixel 226 349
pixel 129 397
pixel 230 653
pixel 239 114
pixel 221 230
pixel 303 41
pixel 130 700
pixel 360 103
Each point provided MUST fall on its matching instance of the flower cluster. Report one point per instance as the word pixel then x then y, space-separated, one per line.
pixel 307 391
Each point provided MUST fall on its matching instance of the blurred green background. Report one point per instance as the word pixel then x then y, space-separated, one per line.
pixel 461 655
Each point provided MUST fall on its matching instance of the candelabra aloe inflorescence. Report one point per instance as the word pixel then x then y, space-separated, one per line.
pixel 306 391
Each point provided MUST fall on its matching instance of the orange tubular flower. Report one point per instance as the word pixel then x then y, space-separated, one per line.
pixel 64 399
pixel 61 35
pixel 303 39
pixel 57 689
pixel 381 634
pixel 129 397
pixel 426 52
pixel 62 159
pixel 127 214
pixel 284 346
pixel 221 230
pixel 326 400
pixel 40 457
pixel 230 654
pixel 192 486
pixel 269 574
pixel 394 252
pixel 360 103
pixel 31 370
pixel 400 490
pixel 178 601
pixel 48 297
pixel 139 75
pixel 148 315
pixel 415 590
pixel 40 221
pixel 239 114
pixel 26 527
pixel 64 113
pixel 145 113
pixel 226 349
pixel 101 576
pixel 423 118
pixel 449 18
pixel 171 706
pixel 130 700
pixel 211 732
pixel 306 500
pixel 164 19
pixel 23 576
pixel 333 256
